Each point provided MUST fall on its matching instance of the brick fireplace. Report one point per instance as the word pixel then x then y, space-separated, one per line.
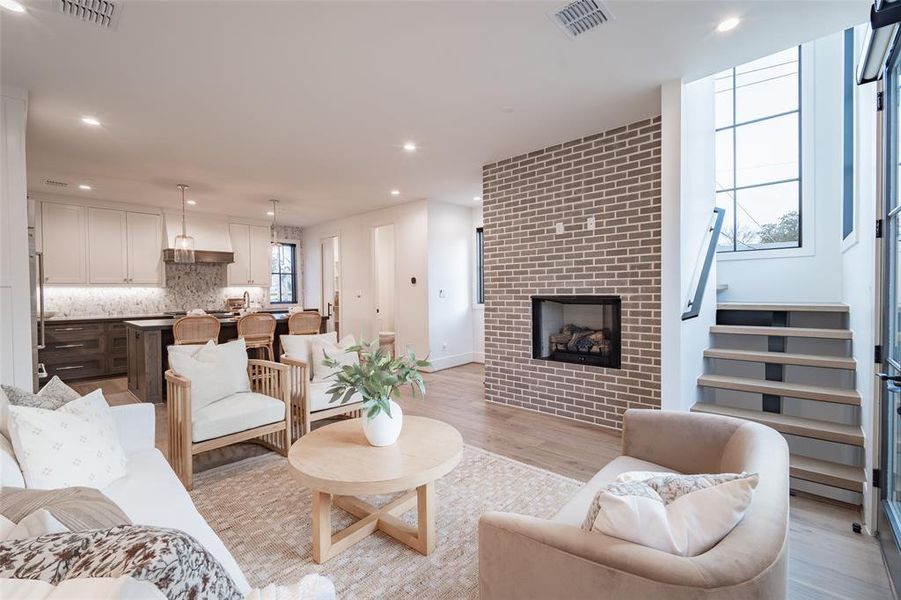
pixel 576 220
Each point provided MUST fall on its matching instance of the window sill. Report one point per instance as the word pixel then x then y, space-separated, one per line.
pixel 765 254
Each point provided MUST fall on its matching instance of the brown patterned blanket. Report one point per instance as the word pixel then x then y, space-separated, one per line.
pixel 171 560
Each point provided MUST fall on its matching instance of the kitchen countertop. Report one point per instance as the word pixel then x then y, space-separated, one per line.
pixel 95 318
pixel 151 324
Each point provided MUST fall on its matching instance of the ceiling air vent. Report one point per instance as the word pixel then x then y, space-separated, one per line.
pixel 98 12
pixel 55 183
pixel 581 17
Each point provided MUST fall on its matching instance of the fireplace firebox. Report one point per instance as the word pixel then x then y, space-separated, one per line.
pixel 577 329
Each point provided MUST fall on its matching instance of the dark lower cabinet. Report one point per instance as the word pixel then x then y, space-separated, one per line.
pixel 85 349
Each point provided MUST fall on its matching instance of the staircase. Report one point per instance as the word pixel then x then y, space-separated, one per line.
pixel 789 366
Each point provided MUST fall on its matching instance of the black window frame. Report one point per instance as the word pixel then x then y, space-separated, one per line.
pixel 280 274
pixel 733 235
pixel 480 265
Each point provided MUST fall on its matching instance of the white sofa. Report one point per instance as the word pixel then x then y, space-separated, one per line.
pixel 151 493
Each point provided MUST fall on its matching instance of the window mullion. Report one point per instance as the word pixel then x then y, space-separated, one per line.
pixel 734 161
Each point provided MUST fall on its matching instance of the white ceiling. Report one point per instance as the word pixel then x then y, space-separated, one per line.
pixel 310 102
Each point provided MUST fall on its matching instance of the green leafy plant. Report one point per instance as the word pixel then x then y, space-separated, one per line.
pixel 377 378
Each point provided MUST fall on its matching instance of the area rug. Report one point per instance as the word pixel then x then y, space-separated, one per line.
pixel 263 516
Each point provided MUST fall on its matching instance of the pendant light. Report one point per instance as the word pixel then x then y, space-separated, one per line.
pixel 273 238
pixel 184 244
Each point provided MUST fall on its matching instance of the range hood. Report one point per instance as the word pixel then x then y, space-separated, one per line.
pixel 211 239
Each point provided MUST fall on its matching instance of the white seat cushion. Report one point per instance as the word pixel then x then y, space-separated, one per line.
pixel 235 413
pixel 574 511
pixel 151 494
pixel 319 397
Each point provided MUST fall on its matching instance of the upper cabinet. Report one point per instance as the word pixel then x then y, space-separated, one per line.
pixel 107 262
pixel 63 233
pixel 250 244
pixel 100 246
pixel 145 245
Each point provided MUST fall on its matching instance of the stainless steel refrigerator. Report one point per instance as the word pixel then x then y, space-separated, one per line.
pixel 36 268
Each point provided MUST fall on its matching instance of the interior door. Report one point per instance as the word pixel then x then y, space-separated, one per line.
pixel 383 277
pixel 144 248
pixel 106 246
pixel 329 275
pixel 889 518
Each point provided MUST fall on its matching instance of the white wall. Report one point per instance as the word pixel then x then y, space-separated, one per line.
pixel 796 275
pixel 478 310
pixel 15 281
pixel 355 251
pixel 688 171
pixel 450 248
pixel 858 262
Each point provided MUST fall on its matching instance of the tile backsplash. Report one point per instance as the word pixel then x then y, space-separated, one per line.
pixel 187 287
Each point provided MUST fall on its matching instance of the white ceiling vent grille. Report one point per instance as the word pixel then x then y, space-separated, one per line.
pixel 581 17
pixel 55 183
pixel 99 12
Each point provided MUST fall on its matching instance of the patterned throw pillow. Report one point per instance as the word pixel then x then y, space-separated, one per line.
pixel 78 508
pixel 50 397
pixel 680 514
pixel 76 445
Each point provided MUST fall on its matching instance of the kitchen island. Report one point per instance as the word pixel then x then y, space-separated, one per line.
pixel 148 358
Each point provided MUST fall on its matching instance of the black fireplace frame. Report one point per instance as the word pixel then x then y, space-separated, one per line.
pixel 582 358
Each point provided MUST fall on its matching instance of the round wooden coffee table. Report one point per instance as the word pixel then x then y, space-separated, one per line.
pixel 338 464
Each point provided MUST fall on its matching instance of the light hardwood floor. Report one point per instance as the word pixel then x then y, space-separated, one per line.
pixel 827 560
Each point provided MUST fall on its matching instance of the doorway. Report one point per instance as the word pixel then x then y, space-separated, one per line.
pixel 383 277
pixel 889 511
pixel 331 283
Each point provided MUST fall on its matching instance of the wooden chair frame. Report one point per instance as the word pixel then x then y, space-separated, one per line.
pixel 297 321
pixel 258 331
pixel 300 407
pixel 192 329
pixel 266 377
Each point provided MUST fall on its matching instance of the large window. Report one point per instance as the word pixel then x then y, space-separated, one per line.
pixel 284 274
pixel 758 153
pixel 480 265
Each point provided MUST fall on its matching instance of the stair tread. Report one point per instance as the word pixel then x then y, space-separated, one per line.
pixel 812 332
pixel 783 358
pixel 781 388
pixel 800 426
pixel 785 306
pixel 827 473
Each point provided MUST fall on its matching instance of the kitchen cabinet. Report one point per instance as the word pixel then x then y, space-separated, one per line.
pixel 100 246
pixel 144 233
pixel 64 241
pixel 250 244
pixel 107 260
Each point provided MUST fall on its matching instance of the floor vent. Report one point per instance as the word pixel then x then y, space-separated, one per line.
pixel 581 17
pixel 55 183
pixel 98 12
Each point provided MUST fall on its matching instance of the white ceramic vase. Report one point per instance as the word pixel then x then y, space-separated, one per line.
pixel 383 430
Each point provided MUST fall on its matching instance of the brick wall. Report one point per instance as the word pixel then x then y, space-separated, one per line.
pixel 615 177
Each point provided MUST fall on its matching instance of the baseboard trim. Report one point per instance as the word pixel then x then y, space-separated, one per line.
pixel 447 362
pixel 478 357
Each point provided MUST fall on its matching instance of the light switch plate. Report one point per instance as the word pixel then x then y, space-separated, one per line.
pixel 559 228
pixel 589 224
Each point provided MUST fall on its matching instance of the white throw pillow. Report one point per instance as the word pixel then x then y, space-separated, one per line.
pixel 40 522
pixel 336 351
pixel 215 371
pixel 10 473
pixel 75 445
pixel 300 347
pixel 680 514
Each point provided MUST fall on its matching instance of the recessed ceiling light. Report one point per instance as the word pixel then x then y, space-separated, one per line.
pixel 12 5
pixel 395 192
pixel 92 121
pixel 728 25
pixel 270 213
pixel 191 202
pixel 477 198
pixel 410 147
pixel 84 186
